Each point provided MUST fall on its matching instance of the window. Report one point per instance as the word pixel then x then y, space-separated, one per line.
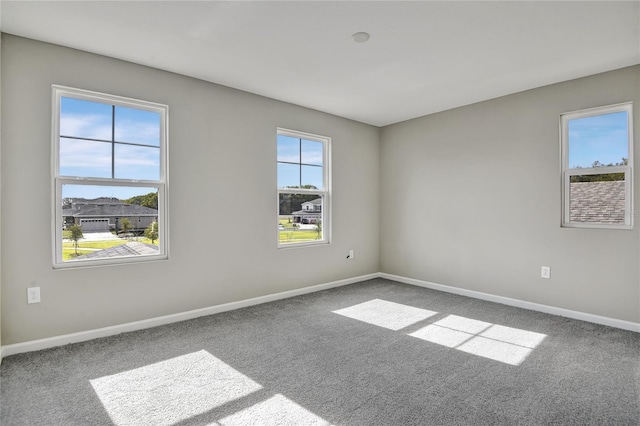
pixel 597 166
pixel 109 179
pixel 303 188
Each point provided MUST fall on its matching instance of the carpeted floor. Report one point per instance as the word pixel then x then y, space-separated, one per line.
pixel 373 353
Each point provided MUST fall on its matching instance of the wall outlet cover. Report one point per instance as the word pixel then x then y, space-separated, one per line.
pixel 545 272
pixel 33 295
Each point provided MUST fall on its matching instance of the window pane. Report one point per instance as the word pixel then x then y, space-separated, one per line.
pixel 137 126
pixel 288 175
pixel 312 175
pixel 85 119
pixel 597 198
pixel 83 158
pixel 115 221
pixel 137 162
pixel 312 152
pixel 300 218
pixel 600 140
pixel 104 209
pixel 288 149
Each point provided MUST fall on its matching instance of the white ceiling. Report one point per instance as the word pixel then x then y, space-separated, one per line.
pixel 422 57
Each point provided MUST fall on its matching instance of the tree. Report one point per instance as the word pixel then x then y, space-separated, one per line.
pixel 75 234
pixel 125 225
pixel 152 231
pixel 150 200
pixel 604 177
pixel 318 229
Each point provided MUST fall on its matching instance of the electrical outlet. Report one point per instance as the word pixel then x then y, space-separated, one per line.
pixel 545 272
pixel 33 295
pixel 350 255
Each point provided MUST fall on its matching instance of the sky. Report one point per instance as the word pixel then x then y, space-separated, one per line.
pixel 138 158
pixel 602 138
pixel 308 156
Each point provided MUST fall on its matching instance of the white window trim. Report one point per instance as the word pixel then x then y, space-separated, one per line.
pixel 567 172
pixel 324 193
pixel 59 92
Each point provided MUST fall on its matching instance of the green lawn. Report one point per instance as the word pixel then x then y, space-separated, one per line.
pixel 285 221
pixel 289 235
pixel 70 253
pixel 85 247
pixel 297 236
pixel 95 244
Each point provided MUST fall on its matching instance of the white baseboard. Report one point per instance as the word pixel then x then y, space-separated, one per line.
pixel 50 342
pixel 82 336
pixel 612 322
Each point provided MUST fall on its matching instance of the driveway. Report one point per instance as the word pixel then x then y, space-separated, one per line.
pixel 98 236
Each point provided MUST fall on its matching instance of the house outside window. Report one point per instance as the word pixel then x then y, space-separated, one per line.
pixel 109 179
pixel 597 167
pixel 303 173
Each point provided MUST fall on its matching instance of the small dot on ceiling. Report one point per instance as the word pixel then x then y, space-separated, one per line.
pixel 360 37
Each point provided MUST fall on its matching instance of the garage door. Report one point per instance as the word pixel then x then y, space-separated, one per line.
pixel 94 225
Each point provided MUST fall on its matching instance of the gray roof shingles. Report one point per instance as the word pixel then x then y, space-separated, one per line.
pixel 132 248
pixel 114 209
pixel 597 202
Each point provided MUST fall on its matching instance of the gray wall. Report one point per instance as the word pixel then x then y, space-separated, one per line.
pixel 467 198
pixel 222 200
pixel 471 198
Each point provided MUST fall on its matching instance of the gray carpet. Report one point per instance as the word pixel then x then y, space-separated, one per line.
pixel 373 353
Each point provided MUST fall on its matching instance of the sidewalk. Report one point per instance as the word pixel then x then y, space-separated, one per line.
pixel 98 236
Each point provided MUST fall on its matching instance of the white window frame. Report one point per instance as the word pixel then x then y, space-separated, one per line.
pixel 325 193
pixel 58 92
pixel 567 172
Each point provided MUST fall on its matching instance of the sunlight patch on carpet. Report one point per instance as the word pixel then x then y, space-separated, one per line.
pixel 277 410
pixel 505 344
pixel 382 313
pixel 171 391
